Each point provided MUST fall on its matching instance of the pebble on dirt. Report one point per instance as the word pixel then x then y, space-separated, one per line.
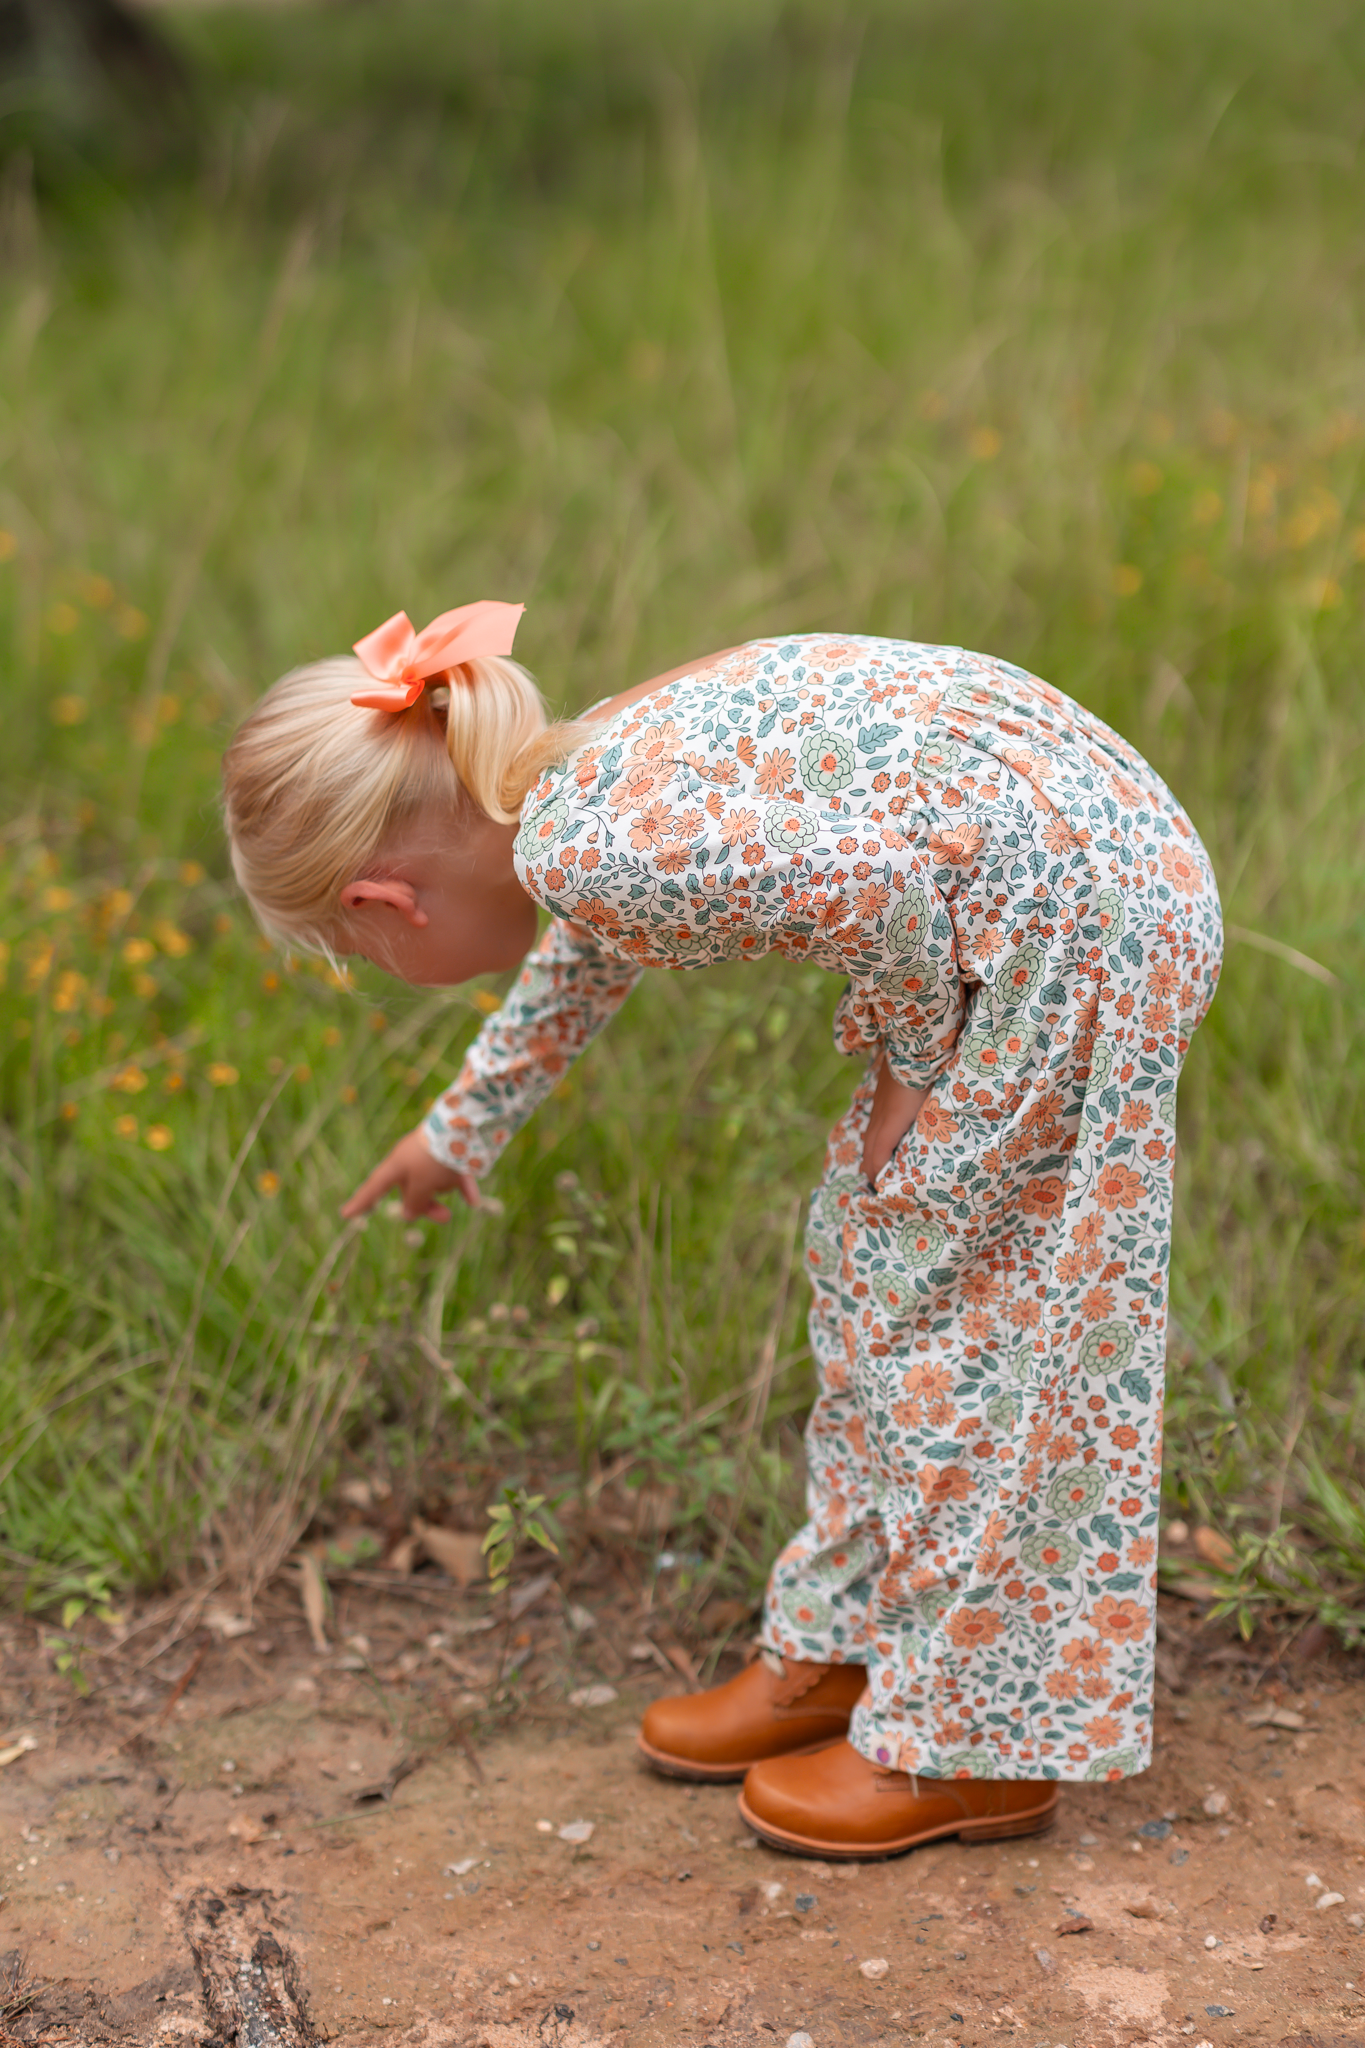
pixel 1216 1804
pixel 875 1966
pixel 577 1831
pixel 593 1696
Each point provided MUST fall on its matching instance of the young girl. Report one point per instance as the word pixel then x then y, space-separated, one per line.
pixel 1028 930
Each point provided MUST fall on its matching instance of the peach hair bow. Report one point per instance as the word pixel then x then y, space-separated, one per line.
pixel 401 661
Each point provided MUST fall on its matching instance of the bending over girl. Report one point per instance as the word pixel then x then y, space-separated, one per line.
pixel 1029 932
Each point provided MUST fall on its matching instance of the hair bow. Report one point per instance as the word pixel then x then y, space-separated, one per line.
pixel 401 660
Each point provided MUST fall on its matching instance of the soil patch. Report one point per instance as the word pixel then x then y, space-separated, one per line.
pixel 300 1848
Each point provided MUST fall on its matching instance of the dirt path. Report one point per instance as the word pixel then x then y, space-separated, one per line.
pixel 198 1870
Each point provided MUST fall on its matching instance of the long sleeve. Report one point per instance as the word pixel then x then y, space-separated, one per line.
pixel 567 990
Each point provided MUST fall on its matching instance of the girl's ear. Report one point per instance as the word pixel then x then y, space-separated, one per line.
pixel 386 895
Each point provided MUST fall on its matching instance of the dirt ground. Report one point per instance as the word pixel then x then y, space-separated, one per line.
pixel 243 1839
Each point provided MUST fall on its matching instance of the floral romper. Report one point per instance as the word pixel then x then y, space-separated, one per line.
pixel 1030 927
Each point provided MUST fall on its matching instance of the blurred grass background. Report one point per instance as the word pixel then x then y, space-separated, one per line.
pixel 1035 329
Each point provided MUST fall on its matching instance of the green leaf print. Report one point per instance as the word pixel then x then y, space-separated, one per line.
pixel 908 925
pixel 1018 977
pixel 1003 1411
pixel 806 1610
pixel 1049 1551
pixel 894 1292
pixel 1110 915
pixel 1075 1491
pixel 789 827
pixel 1001 1050
pixel 541 829
pixel 921 1242
pixel 826 761
pixel 1118 1763
pixel 968 1763
pixel 1107 1348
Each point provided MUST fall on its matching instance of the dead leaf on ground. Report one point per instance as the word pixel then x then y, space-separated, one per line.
pixel 246 1830
pixel 682 1662
pixel 314 1589
pixel 1214 1548
pixel 402 1557
pixel 456 1551
pixel 1276 1717
pixel 384 1789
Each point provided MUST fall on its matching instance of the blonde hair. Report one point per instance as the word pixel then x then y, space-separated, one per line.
pixel 313 785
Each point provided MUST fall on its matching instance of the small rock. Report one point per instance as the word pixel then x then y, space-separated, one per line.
pixel 875 1966
pixel 800 2039
pixel 1221 2012
pixel 1329 1899
pixel 577 1831
pixel 773 1890
pixel 1276 1717
pixel 594 1946
pixel 1044 1961
pixel 1088 1841
pixel 1356 1920
pixel 545 1827
pixel 460 1869
pixel 804 1902
pixel 1211 1941
pixel 1216 1804
pixel 1155 1830
pixel 747 1842
pixel 593 1696
pixel 1313 1881
pixel 1179 1856
pixel 641 1653
pixel 111 1855
pixel 820 1870
pixel 1267 1921
pixel 1076 1923
pixel 1143 1909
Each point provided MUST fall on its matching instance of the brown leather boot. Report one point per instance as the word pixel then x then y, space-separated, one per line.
pixel 841 1808
pixel 763 1712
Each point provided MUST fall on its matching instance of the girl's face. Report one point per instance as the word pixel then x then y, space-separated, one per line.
pixel 442 905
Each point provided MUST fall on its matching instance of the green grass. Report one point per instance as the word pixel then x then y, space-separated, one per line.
pixel 1036 329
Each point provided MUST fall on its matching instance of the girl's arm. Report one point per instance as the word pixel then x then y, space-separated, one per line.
pixel 568 988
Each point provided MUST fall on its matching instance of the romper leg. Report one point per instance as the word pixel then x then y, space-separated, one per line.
pixel 816 1606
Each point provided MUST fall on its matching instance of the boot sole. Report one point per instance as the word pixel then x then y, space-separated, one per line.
pixel 718 1774
pixel 997 1828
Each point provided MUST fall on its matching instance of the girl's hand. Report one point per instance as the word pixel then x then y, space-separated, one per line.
pixel 418 1178
pixel 894 1109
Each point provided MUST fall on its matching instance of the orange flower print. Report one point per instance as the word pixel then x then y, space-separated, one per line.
pixel 1181 870
pixel 746 749
pixel 957 845
pixel 872 900
pixel 1044 1196
pixel 1141 1550
pixel 1103 1731
pixel 775 771
pixel 1060 837
pixel 1084 1656
pixel 652 827
pixel 636 787
pixel 1119 1187
pixel 929 1380
pixel 1120 1621
pixel 988 942
pixel 738 825
pixel 591 858
pixel 1163 980
pixel 673 858
pixel 1070 1268
pixel 935 1123
pixel 1088 1231
pixel 1135 1115
pixel 1097 1304
pixel 942 1483
pixel 1061 1685
pixel 974 1628
pixel 979 1286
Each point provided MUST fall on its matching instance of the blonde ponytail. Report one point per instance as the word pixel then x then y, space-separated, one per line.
pixel 313 786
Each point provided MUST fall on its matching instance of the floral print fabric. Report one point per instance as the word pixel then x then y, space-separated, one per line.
pixel 1028 925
